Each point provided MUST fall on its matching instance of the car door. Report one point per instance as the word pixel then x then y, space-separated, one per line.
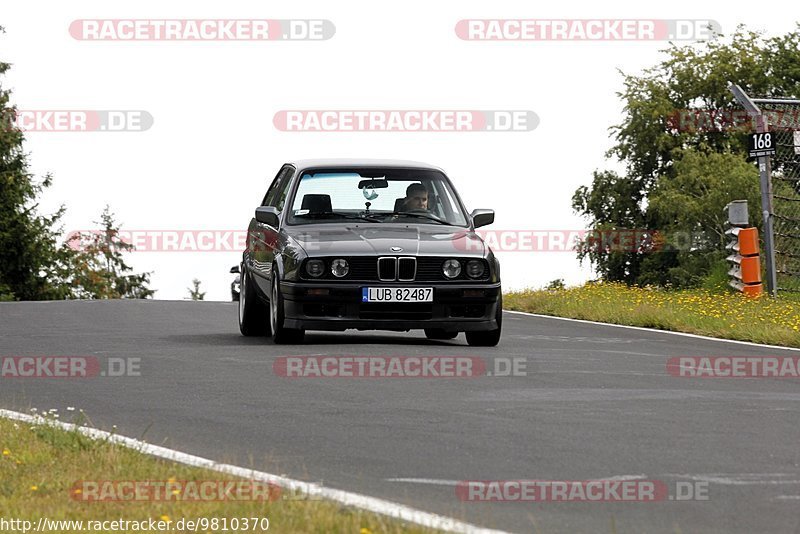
pixel 263 239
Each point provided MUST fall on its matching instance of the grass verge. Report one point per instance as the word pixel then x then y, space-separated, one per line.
pixel 725 315
pixel 41 467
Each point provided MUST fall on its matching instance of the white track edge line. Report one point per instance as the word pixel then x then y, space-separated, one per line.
pixel 685 334
pixel 363 502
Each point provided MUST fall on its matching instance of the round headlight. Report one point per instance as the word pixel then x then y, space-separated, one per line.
pixel 451 268
pixel 475 268
pixel 339 268
pixel 314 268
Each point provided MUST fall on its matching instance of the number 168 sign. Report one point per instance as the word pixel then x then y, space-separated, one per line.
pixel 761 144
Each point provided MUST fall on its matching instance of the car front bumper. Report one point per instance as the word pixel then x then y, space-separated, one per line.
pixel 455 307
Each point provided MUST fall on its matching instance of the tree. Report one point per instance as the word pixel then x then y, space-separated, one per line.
pixel 195 293
pixel 690 211
pixel 671 181
pixel 98 269
pixel 555 285
pixel 33 266
pixel 612 203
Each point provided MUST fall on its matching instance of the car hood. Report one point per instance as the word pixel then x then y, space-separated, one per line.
pixel 378 240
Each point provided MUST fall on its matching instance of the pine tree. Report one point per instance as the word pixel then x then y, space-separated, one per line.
pixel 33 265
pixel 99 270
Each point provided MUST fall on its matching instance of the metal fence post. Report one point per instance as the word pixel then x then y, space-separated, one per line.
pixel 765 171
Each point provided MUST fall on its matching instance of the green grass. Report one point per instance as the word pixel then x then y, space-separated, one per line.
pixel 710 312
pixel 40 465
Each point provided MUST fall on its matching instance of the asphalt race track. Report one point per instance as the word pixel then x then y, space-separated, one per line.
pixel 597 403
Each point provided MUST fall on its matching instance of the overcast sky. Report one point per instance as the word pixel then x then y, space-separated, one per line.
pixel 212 148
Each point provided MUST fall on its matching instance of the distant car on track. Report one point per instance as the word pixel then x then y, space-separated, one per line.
pixel 368 245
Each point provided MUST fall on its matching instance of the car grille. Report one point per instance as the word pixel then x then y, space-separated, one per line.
pixel 406 269
pixel 387 268
pixel 361 269
pixel 395 269
pixel 392 269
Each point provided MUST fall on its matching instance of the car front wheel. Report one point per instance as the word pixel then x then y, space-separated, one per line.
pixel 488 338
pixel 253 314
pixel 281 334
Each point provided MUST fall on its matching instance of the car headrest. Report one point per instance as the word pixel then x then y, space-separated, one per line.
pixel 399 204
pixel 317 203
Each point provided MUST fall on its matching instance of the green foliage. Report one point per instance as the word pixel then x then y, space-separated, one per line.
pixel 717 278
pixel 612 202
pixel 64 440
pixel 5 293
pixel 681 172
pixel 98 268
pixel 555 285
pixel 696 198
pixel 195 293
pixel 32 263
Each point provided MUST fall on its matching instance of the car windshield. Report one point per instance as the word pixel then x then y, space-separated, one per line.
pixel 410 196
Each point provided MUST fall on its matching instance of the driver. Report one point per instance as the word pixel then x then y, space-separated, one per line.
pixel 416 197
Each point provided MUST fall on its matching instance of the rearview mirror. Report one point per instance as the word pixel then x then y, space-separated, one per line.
pixel 375 184
pixel 268 215
pixel 235 269
pixel 482 217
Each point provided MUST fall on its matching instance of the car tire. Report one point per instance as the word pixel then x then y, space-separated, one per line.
pixel 439 333
pixel 488 338
pixel 280 334
pixel 253 313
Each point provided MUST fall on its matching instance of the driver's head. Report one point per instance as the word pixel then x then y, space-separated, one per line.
pixel 416 197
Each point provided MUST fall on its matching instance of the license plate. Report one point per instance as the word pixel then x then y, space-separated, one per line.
pixel 396 294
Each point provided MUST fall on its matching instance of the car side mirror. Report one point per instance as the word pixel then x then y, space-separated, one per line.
pixel 482 217
pixel 235 269
pixel 268 215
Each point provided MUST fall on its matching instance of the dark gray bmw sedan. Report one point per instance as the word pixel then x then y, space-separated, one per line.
pixel 368 245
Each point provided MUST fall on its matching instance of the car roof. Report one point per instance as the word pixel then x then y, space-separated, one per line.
pixel 347 162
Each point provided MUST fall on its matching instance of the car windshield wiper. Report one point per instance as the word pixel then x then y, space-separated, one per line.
pixel 336 214
pixel 424 216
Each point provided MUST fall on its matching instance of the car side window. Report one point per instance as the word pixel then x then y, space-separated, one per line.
pixel 283 190
pixel 273 187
